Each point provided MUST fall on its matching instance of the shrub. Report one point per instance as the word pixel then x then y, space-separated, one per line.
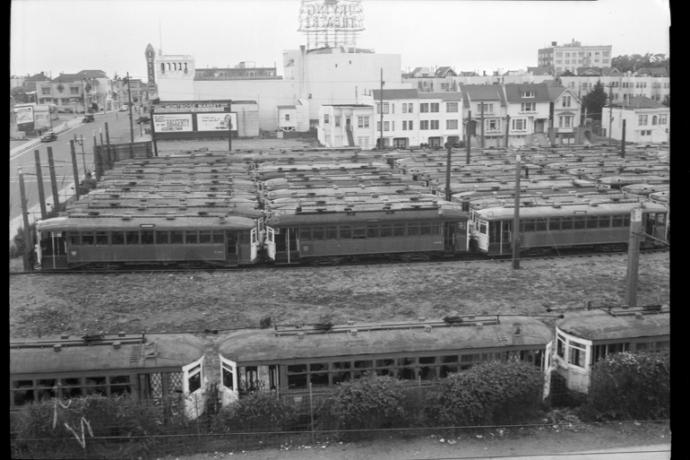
pixel 627 385
pixel 376 402
pixel 488 393
pixel 258 411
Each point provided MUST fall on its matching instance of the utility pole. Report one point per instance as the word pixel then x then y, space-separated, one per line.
pixel 131 126
pixel 107 146
pixel 153 133
pixel 109 163
pixel 449 149
pixel 39 181
pixel 28 244
pixel 516 216
pixel 469 136
pixel 75 168
pixel 381 109
pixel 633 256
pixel 507 129
pixel 623 141
pixel 97 159
pixel 53 181
pixel 481 117
pixel 229 126
pixel 610 111
pixel 83 154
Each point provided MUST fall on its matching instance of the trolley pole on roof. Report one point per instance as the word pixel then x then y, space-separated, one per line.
pixel 623 141
pixel 449 148
pixel 516 216
pixel 28 244
pixel 633 256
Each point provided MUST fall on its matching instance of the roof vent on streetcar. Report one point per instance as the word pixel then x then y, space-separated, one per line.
pixel 517 330
pixel 479 325
pixel 353 332
pixel 170 217
pixel 94 213
pixel 427 328
pixel 57 347
pixel 300 335
pixel 126 217
pixel 117 344
pixel 64 336
pixel 639 316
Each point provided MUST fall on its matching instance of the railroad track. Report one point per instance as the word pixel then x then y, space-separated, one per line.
pixel 307 265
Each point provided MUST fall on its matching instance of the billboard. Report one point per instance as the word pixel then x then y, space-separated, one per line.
pixel 42 120
pixel 25 117
pixel 215 121
pixel 172 123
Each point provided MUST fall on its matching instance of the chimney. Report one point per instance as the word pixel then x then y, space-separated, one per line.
pixel 554 43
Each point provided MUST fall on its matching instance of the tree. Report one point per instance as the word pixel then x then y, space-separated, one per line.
pixel 567 73
pixel 20 96
pixel 634 62
pixel 594 101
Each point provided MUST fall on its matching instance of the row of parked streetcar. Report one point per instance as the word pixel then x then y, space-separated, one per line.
pixel 295 362
pixel 320 206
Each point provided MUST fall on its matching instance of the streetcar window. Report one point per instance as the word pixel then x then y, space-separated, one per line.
pixel 218 237
pixel 87 238
pixel 555 223
pixel 386 230
pixel 102 238
pixel 579 222
pixel 331 233
pixel 372 231
pixel 95 385
pixel 604 221
pixel 297 381
pixel 305 233
pixel 74 238
pixel 661 345
pixel 340 376
pixel 527 225
pixel 592 222
pixel 359 232
pixel 228 378
pixel 191 237
pixel 398 229
pixel 641 347
pixel 385 362
pixel 23 392
pixel 406 370
pixel 162 237
pixel 317 233
pixel 618 221
pixel 345 231
pixel 661 218
pixel 445 370
pixel 205 237
pixel 194 382
pixel 560 346
pixel 482 227
pixel 626 220
pixel 566 223
pixel 297 368
pixel 132 237
pixel 119 384
pixel 363 364
pixel 425 229
pixel 176 237
pixel 413 229
pixel 319 374
pixel 598 353
pixel 147 237
pixel 435 229
pixel 540 225
pixel 117 238
pixel 576 354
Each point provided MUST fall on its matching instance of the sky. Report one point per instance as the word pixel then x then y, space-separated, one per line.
pixel 469 35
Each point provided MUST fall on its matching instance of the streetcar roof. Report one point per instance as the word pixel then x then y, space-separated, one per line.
pixel 41 356
pixel 565 210
pixel 180 222
pixel 602 325
pixel 266 345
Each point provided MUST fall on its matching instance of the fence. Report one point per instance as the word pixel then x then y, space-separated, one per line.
pixel 105 156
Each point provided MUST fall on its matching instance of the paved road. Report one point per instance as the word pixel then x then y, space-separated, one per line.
pixel 118 126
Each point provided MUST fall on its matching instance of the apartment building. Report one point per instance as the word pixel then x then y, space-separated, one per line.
pixel 646 121
pixel 347 125
pixel 622 87
pixel 570 56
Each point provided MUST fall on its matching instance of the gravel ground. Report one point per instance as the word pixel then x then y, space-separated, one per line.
pixel 193 301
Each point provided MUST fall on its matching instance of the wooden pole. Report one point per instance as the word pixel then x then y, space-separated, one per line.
pixel 516 216
pixel 110 156
pixel 448 194
pixel 53 181
pixel 28 244
pixel 153 134
pixel 633 256
pixel 623 141
pixel 109 163
pixel 469 137
pixel 75 168
pixel 39 181
pixel 381 108
pixel 481 116
pixel 131 126
pixel 507 129
pixel 230 127
pixel 97 159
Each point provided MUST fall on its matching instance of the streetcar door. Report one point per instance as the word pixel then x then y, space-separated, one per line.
pixel 193 382
pixel 254 243
pixel 53 251
pixel 229 392
pixel 449 236
pixel 270 243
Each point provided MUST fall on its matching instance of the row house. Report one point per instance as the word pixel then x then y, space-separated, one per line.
pixel 87 89
pixel 646 121
pixel 425 79
pixel 622 87
pixel 406 118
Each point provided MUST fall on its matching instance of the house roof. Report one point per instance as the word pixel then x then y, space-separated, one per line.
pixel 539 70
pixel 67 78
pixel 482 93
pixel 600 325
pixel 396 94
pixel 642 102
pixel 92 74
pixel 653 71
pixel 444 71
pixel 38 77
pixel 514 92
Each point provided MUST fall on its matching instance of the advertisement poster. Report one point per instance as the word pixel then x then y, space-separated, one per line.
pixel 24 114
pixel 42 120
pixel 172 123
pixel 215 121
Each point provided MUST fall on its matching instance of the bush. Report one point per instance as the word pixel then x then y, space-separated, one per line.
pixel 627 385
pixel 258 411
pixel 488 393
pixel 376 402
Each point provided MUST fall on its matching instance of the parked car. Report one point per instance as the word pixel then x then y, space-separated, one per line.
pixel 88 118
pixel 143 119
pixel 124 108
pixel 50 136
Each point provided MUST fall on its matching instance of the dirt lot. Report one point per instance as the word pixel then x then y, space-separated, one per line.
pixel 193 301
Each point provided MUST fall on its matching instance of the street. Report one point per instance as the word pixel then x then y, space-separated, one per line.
pixel 118 126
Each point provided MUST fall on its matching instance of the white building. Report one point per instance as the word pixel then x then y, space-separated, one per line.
pixel 491 100
pixel 566 113
pixel 622 87
pixel 572 55
pixel 294 117
pixel 646 121
pixel 528 106
pixel 347 125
